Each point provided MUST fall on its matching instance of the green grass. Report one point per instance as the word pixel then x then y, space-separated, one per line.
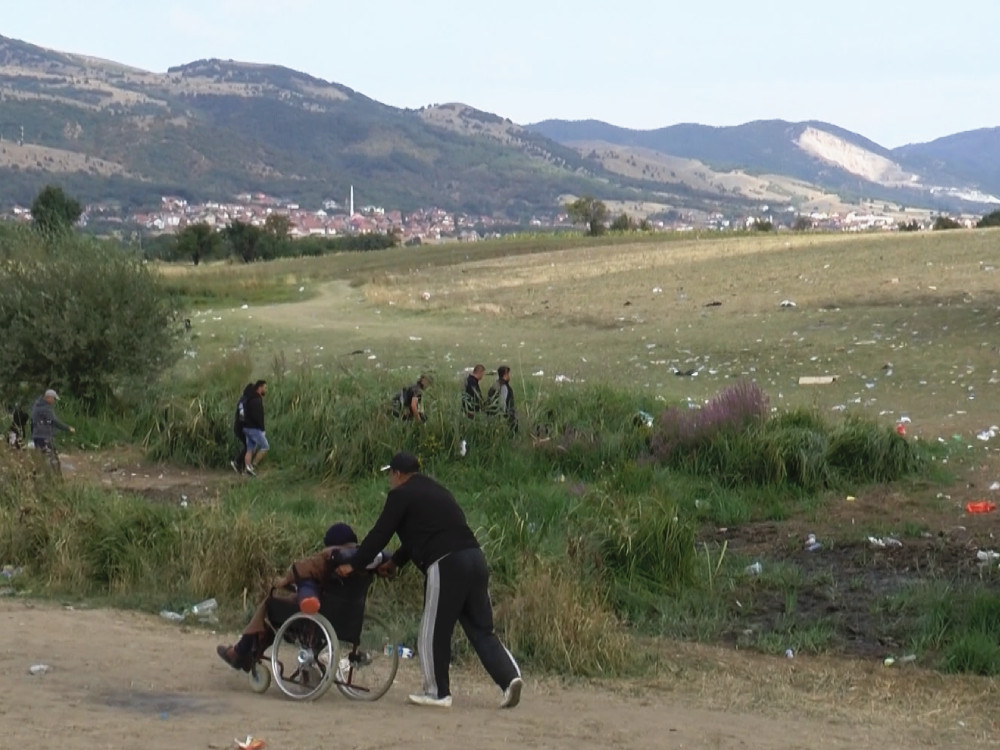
pixel 584 529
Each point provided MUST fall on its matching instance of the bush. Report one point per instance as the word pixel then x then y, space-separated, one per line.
pixel 682 430
pixel 84 316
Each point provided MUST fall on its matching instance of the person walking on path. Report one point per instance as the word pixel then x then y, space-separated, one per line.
pixel 472 399
pixel 239 421
pixel 435 536
pixel 501 397
pixel 45 423
pixel 253 428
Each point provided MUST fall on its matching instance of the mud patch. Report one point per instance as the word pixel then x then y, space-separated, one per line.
pixel 161 703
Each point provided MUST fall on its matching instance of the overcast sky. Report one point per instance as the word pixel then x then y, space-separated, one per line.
pixel 895 71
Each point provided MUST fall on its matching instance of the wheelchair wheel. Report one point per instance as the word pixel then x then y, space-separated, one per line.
pixel 366 672
pixel 260 677
pixel 304 648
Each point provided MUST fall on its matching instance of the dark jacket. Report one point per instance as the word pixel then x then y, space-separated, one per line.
pixel 429 522
pixel 472 399
pixel 501 398
pixel 253 411
pixel 44 422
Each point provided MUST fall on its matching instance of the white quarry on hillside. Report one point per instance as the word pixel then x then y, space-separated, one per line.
pixel 855 159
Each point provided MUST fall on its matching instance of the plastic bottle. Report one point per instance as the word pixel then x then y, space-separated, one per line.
pixel 754 569
pixel 166 614
pixel 205 608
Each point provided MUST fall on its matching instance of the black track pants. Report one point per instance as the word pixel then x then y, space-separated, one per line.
pixel 457 590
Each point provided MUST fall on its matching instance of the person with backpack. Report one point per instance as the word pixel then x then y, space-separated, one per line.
pixel 44 424
pixel 239 460
pixel 406 404
pixel 253 427
pixel 501 397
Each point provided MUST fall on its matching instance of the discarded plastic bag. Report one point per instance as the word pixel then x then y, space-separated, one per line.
pixel 884 542
pixel 980 506
pixel 250 743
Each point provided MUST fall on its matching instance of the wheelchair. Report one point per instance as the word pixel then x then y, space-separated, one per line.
pixel 343 644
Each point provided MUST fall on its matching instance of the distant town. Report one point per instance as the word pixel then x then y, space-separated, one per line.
pixel 333 219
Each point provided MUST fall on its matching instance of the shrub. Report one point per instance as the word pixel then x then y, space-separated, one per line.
pixel 83 316
pixel 682 430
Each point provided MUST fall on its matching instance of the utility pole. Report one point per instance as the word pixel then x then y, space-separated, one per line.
pixel 21 141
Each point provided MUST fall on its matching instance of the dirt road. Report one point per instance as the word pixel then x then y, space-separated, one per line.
pixel 129 680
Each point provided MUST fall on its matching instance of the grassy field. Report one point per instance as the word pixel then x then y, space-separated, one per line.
pixel 587 530
pixel 907 323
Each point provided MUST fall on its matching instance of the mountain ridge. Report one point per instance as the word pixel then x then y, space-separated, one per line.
pixel 213 128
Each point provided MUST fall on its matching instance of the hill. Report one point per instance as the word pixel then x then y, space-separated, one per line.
pixel 211 129
pixel 947 174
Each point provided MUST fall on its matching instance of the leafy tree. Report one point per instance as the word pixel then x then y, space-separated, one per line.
pixel 590 211
pixel 245 240
pixel 278 226
pixel 84 316
pixel 763 225
pixel 53 211
pixel 802 224
pixel 945 222
pixel 197 241
pixel 623 224
pixel 990 220
pixel 911 226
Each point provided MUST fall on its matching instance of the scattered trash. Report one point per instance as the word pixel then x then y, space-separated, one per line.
pixel 205 609
pixel 811 544
pixel 713 303
pixel 462 448
pixel 538 374
pixel 166 614
pixel 995 486
pixel 789 654
pixel 250 743
pixel 817 379
pixel 36 669
pixel 884 542
pixel 245 307
pixel 850 498
pixel 904 420
pixel 425 296
pixel 754 569
pixel 908 659
pixel 987 555
pixel 563 379
pixel 787 303
pixel 657 290
pixel 404 652
pixel 9 571
pixel 987 434
pixel 644 418
pixel 981 506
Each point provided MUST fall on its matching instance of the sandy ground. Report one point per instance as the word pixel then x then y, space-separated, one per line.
pixel 129 680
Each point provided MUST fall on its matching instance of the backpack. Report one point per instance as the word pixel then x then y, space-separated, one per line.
pixel 400 403
pixel 239 417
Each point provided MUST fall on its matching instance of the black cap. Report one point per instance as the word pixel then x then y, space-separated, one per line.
pixel 404 463
pixel 338 535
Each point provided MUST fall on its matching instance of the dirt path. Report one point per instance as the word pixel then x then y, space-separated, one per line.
pixel 128 680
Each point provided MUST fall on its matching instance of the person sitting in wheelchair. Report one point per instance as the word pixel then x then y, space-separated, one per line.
pixel 311 585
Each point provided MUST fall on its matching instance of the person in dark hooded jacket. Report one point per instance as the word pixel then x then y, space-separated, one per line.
pixel 45 423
